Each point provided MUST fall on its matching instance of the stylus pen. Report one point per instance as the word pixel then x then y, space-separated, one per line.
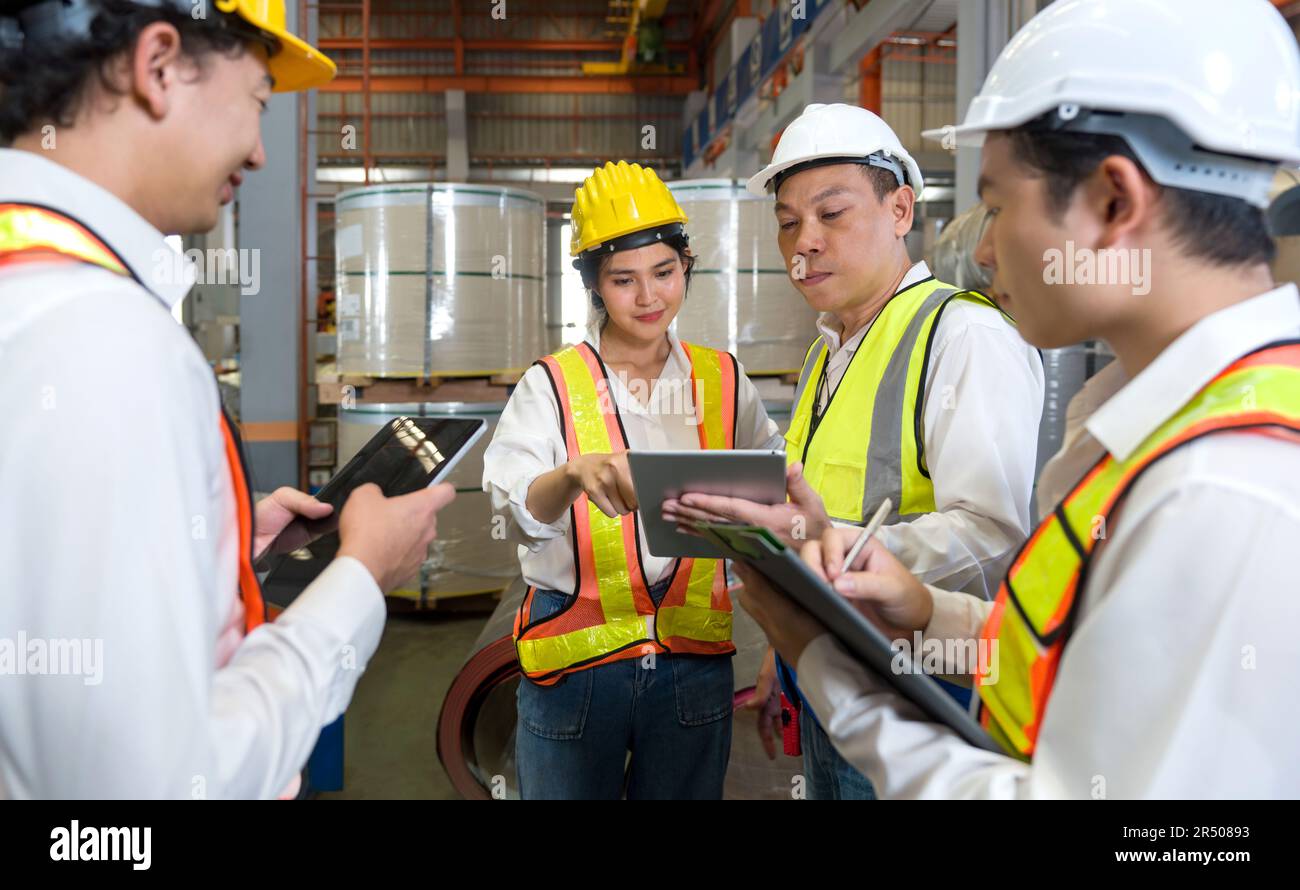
pixel 876 521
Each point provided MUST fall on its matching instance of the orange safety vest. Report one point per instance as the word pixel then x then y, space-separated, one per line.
pixel 1037 604
pixel 611 615
pixel 33 233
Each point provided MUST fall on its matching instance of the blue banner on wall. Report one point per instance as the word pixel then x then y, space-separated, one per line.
pixel 778 33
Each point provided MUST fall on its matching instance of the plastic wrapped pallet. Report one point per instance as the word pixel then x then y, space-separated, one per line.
pixel 741 298
pixel 953 257
pixel 439 279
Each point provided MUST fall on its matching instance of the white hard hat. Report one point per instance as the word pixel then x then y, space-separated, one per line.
pixel 838 131
pixel 1206 93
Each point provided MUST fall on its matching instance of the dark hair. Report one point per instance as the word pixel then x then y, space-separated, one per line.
pixel 47 83
pixel 590 267
pixel 1221 229
pixel 883 181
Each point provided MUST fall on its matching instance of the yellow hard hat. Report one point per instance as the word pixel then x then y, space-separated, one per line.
pixel 294 64
pixel 617 200
pixel 298 65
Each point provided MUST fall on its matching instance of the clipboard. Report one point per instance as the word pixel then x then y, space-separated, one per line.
pixel 783 569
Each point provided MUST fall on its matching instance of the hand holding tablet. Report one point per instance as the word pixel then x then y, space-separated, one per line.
pixel 407 455
pixel 659 476
pixel 797 517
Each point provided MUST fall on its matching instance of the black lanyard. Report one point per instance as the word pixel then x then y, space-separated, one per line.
pixel 819 409
pixel 818 414
pixel 823 380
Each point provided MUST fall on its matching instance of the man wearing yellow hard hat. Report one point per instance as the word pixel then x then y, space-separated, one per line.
pixel 124 122
pixel 621 650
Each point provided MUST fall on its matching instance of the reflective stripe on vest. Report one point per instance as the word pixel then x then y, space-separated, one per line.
pixel 611 615
pixel 879 401
pixel 30 233
pixel 1033 616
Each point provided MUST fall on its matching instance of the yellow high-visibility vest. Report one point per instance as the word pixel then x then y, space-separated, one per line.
pixel 1034 613
pixel 610 616
pixel 869 445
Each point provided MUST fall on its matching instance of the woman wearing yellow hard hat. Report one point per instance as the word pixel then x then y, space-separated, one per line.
pixel 621 651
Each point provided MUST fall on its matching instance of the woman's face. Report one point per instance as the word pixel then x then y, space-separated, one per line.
pixel 643 290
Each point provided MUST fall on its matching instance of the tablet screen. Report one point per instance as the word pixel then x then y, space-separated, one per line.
pixel 406 455
pixel 754 475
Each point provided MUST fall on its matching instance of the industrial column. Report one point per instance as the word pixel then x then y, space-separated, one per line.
pixel 270 319
pixel 984 27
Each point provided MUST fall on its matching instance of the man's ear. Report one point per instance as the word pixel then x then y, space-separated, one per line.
pixel 155 67
pixel 902 203
pixel 1120 199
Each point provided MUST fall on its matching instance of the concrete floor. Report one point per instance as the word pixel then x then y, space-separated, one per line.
pixel 389 733
pixel 390 749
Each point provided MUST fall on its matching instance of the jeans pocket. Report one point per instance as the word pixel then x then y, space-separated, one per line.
pixel 545 603
pixel 558 711
pixel 704 686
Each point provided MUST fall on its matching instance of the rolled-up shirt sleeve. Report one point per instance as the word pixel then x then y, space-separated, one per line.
pixel 891 741
pixel 957 618
pixel 528 442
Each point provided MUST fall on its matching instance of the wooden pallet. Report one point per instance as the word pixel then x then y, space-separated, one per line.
pixel 490 388
pixel 788 377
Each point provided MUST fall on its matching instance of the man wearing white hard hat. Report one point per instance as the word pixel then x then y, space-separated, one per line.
pixel 1142 642
pixel 914 391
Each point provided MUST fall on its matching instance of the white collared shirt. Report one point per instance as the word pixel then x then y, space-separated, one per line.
pixel 1179 680
pixel 120 537
pixel 529 441
pixel 983 403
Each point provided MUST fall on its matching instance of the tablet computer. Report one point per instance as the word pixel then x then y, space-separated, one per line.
pixel 659 475
pixel 784 570
pixel 407 454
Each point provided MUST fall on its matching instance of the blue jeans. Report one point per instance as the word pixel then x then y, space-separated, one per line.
pixel 827 775
pixel 672 712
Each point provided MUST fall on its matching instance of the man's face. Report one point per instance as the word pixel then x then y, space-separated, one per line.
pixel 215 135
pixel 1020 231
pixel 837 237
